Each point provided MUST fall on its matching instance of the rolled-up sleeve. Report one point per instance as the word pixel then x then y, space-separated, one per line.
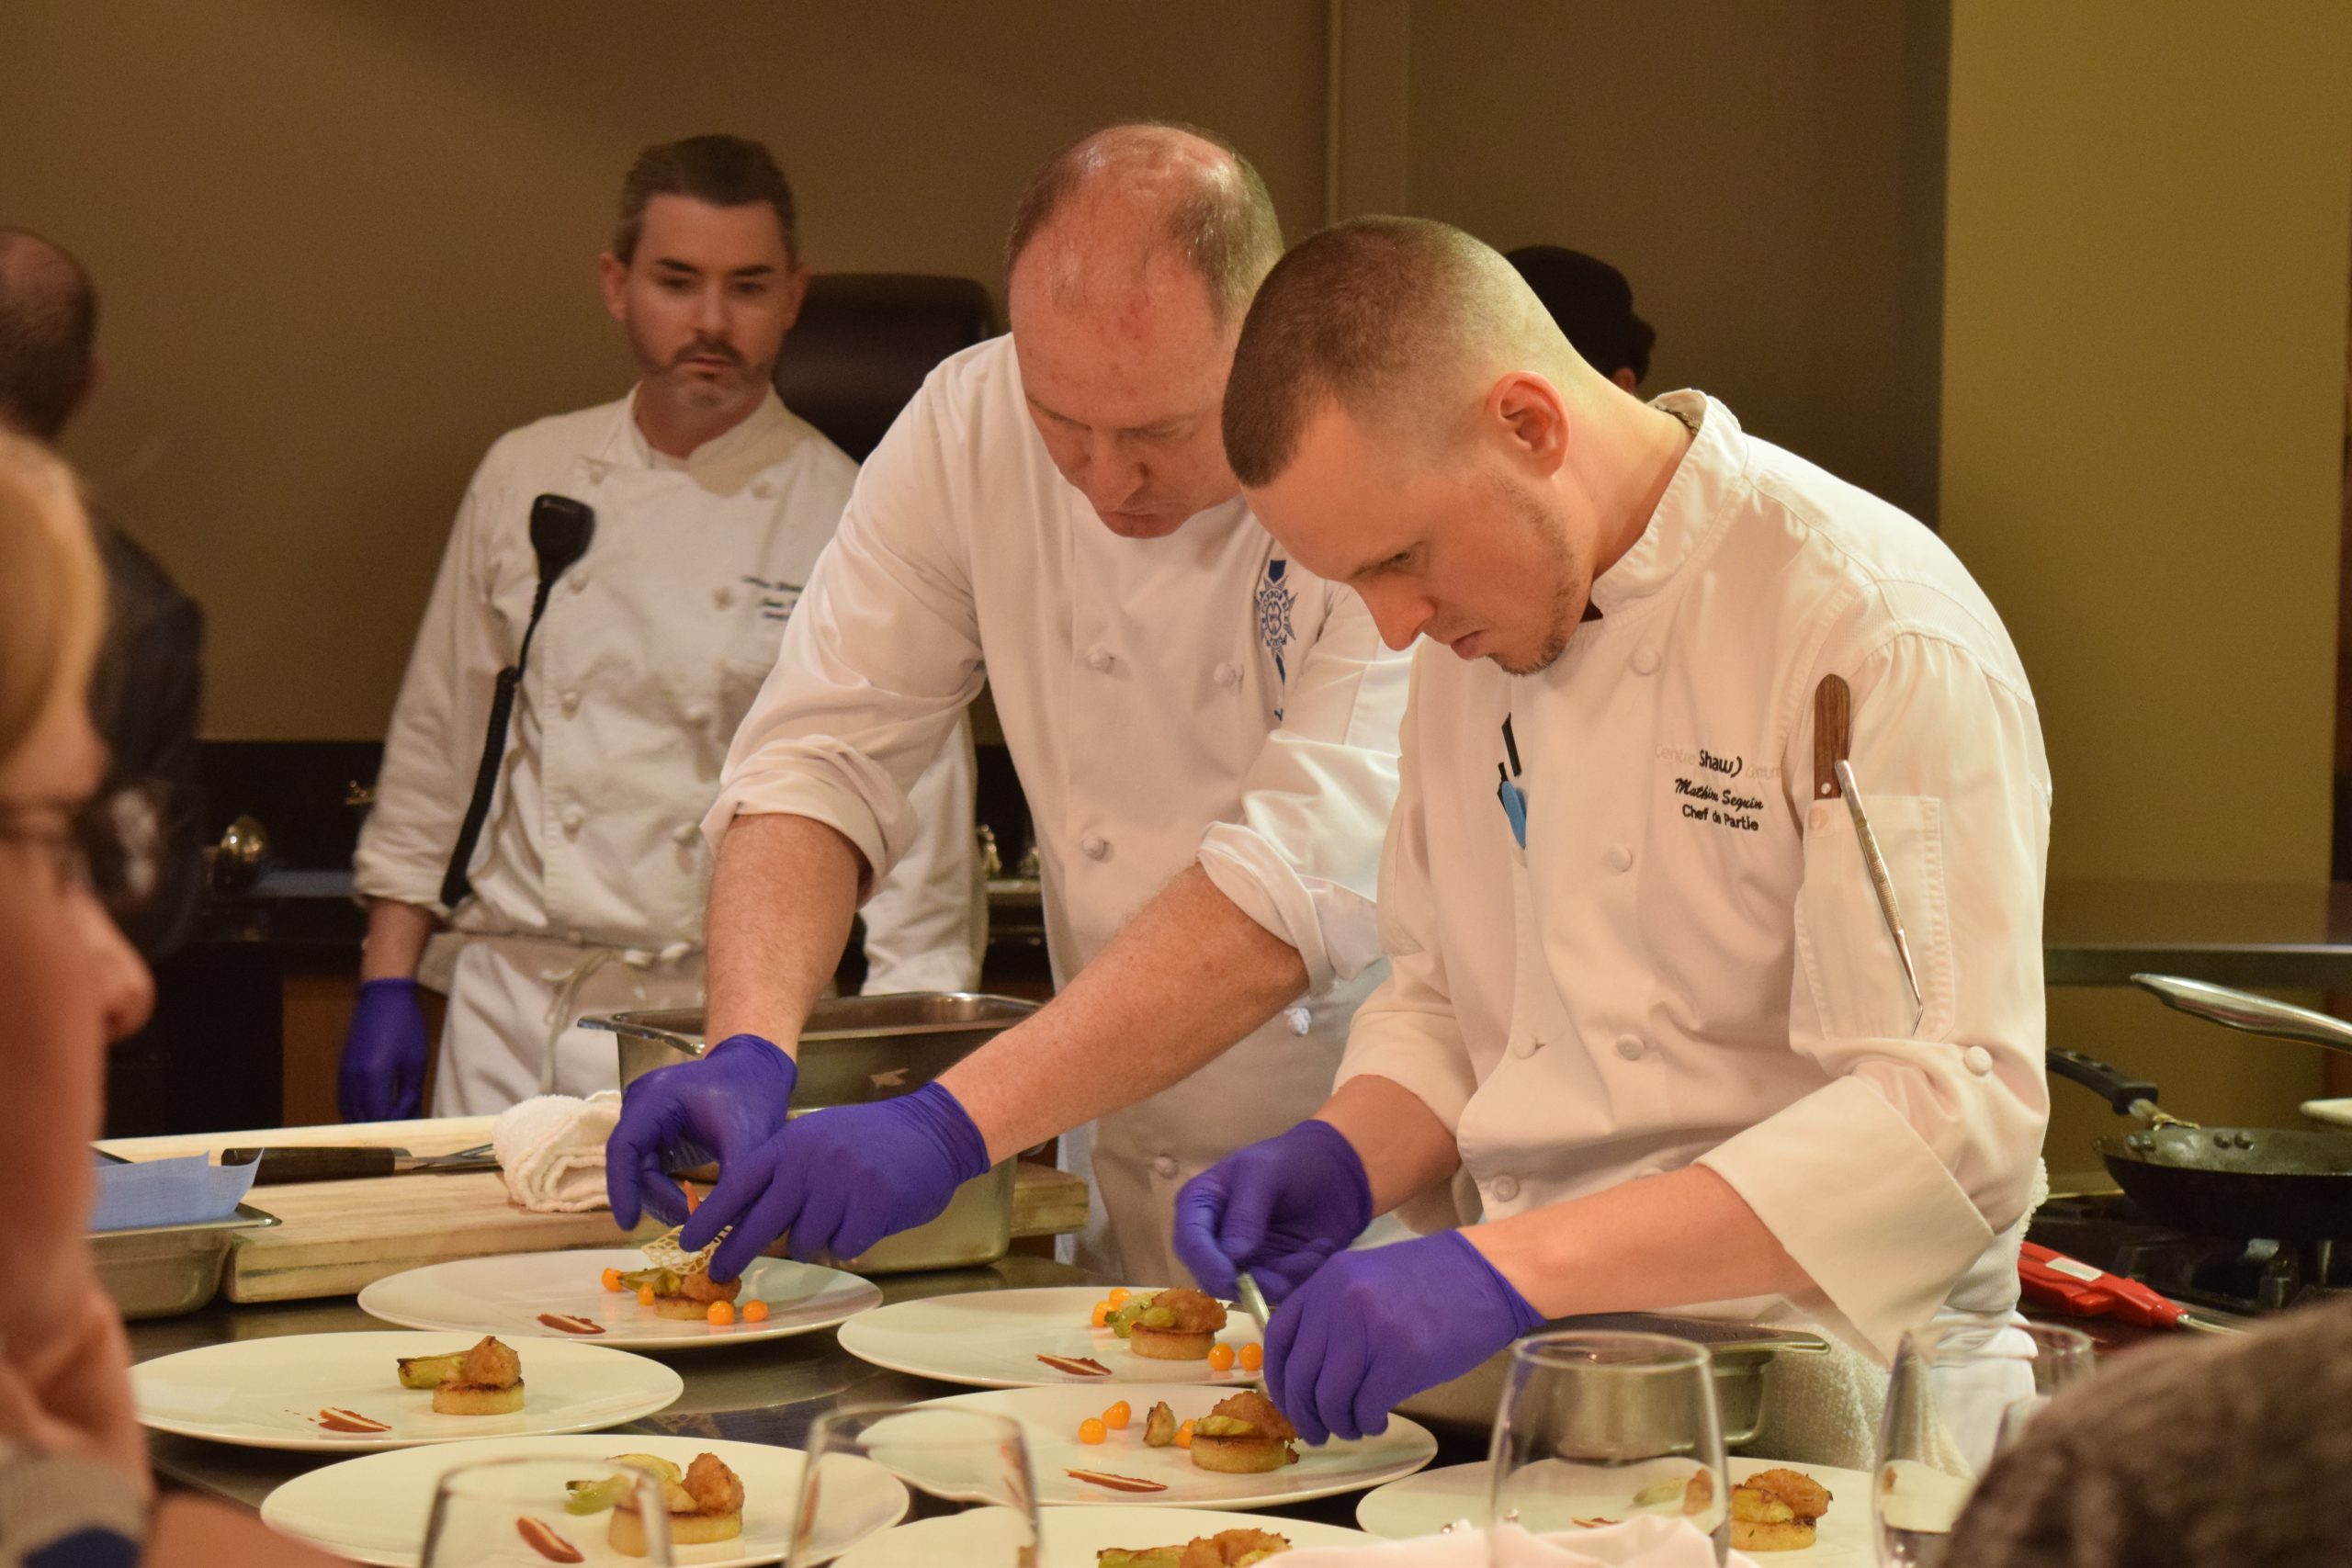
pixel 1407 1030
pixel 433 744
pixel 1888 1181
pixel 881 656
pixel 1302 856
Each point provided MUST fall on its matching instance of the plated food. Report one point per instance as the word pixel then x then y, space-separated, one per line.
pixel 1778 1509
pixel 1226 1549
pixel 386 1389
pixel 658 1298
pixel 485 1379
pixel 1083 1453
pixel 1038 1339
pixel 1085 1538
pixel 705 1500
pixel 373 1508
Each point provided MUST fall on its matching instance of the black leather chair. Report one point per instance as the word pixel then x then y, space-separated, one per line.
pixel 864 342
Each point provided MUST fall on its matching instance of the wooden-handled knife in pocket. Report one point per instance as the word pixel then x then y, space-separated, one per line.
pixel 1833 775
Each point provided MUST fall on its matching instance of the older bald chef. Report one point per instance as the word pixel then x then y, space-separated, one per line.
pixel 711 502
pixel 1641 996
pixel 1206 735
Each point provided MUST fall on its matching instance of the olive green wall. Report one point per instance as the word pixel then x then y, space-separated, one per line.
pixel 2143 412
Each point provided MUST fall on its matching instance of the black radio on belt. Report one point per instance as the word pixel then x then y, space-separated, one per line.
pixel 560 529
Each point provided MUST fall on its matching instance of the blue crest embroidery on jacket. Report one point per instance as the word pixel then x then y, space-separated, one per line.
pixel 1274 602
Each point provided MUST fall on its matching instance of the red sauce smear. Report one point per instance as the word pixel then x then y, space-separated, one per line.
pixel 543 1540
pixel 1106 1480
pixel 1076 1366
pixel 570 1324
pixel 350 1421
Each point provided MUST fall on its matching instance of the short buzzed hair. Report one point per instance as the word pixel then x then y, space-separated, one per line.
pixel 48 328
pixel 1222 223
pixel 721 171
pixel 1369 314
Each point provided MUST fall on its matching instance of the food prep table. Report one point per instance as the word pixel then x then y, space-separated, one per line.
pixel 767 1392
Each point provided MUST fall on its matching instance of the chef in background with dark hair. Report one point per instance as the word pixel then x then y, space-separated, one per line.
pixel 711 502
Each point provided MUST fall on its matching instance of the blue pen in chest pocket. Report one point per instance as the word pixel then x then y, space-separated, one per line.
pixel 1275 601
pixel 1514 798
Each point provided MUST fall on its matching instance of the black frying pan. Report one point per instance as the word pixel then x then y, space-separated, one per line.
pixel 2285 1184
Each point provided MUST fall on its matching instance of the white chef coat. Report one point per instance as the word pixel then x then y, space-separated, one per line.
pixel 652 647
pixel 1191 699
pixel 1686 963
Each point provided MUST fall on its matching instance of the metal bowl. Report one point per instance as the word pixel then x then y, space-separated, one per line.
pixel 855 1051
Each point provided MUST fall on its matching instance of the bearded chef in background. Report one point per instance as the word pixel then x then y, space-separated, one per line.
pixel 1645 1024
pixel 710 503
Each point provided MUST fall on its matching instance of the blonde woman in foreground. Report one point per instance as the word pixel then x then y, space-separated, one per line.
pixel 75 1491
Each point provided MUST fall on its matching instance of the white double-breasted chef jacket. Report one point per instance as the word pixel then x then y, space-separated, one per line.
pixel 1686 963
pixel 590 878
pixel 1191 699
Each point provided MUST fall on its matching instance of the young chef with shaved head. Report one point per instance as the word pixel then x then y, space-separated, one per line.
pixel 1206 735
pixel 1646 1035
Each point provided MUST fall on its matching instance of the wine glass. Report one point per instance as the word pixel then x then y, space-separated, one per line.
pixel 1599 1426
pixel 975 1501
pixel 1961 1390
pixel 529 1511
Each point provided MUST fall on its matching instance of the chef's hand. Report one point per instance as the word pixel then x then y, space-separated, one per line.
pixel 722 1106
pixel 382 1079
pixel 1278 1208
pixel 1375 1326
pixel 840 1180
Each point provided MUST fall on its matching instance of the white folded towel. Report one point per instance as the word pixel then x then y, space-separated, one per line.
pixel 551 1150
pixel 1650 1540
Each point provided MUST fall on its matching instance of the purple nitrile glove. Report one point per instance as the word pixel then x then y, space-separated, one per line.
pixel 840 1180
pixel 1278 1208
pixel 721 1106
pixel 1375 1326
pixel 383 1076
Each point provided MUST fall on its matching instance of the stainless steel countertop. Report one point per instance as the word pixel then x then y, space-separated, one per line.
pixel 765 1392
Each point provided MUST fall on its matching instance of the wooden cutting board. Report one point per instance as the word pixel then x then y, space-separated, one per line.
pixel 337 1237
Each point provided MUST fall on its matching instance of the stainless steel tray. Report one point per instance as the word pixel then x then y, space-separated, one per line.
pixel 854 1051
pixel 164 1270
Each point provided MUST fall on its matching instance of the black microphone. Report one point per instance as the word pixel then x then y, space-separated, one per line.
pixel 561 530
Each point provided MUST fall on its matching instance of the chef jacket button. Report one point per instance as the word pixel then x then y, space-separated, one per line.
pixel 579 581
pixel 1504 1188
pixel 1098 661
pixel 572 819
pixel 1095 845
pixel 570 704
pixel 1527 1046
pixel 1620 858
pixel 1630 1047
pixel 685 833
pixel 1299 1020
pixel 722 597
pixel 1979 1060
pixel 763 490
pixel 1164 1168
pixel 1227 674
pixel 576 937
pixel 699 715
pixel 1645 661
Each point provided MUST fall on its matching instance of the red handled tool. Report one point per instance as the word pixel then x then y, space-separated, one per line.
pixel 2076 1288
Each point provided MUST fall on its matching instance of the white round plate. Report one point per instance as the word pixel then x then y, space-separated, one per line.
pixel 1427 1502
pixel 992 1339
pixel 1050 1419
pixel 373 1509
pixel 505 1295
pixel 2332 1112
pixel 268 1393
pixel 1073 1536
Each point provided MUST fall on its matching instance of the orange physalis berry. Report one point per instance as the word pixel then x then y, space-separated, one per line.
pixel 720 1314
pixel 1102 1314
pixel 1253 1356
pixel 1118 1415
pixel 645 1295
pixel 1220 1358
pixel 612 1279
pixel 1185 1435
pixel 1120 1295
pixel 755 1311
pixel 1091 1431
